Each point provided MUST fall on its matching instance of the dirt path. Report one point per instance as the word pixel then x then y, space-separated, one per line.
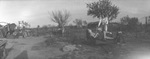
pixel 21 47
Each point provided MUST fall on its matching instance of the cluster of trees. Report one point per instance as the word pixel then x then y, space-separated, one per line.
pixel 130 23
pixel 103 10
pixel 80 23
pixel 23 24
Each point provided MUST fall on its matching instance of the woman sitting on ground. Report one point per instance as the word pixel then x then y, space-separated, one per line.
pixel 94 34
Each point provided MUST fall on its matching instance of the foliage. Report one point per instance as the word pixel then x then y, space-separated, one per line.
pixel 131 23
pixel 61 18
pixel 24 24
pixel 50 41
pixel 85 23
pixel 1 25
pixel 45 27
pixel 147 20
pixel 103 9
pixel 80 22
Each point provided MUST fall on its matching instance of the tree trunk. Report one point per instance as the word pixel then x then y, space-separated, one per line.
pixel 106 27
pixel 63 30
pixel 100 21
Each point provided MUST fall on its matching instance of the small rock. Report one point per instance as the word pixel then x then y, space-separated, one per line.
pixel 69 48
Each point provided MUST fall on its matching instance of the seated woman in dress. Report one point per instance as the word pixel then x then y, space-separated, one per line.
pixel 94 34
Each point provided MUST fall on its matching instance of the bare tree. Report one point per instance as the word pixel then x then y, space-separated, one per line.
pixel 24 24
pixel 61 18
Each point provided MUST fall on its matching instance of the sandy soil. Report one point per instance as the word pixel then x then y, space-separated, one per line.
pixel 25 48
pixel 21 48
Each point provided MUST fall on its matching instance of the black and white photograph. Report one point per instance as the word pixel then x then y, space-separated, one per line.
pixel 74 29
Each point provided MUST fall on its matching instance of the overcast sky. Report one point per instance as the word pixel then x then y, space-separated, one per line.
pixel 36 11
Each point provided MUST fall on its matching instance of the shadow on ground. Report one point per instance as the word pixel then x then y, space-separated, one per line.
pixel 23 55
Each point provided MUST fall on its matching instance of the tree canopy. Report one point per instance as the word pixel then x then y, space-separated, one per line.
pixel 103 9
pixel 130 22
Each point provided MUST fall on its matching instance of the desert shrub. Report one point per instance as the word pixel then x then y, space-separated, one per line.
pixel 50 41
pixel 75 35
pixel 72 36
pixel 57 32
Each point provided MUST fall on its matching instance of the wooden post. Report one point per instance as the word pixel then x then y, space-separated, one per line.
pixel 145 24
pixel 38 27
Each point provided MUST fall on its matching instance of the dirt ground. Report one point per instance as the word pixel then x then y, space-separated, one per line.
pixel 30 48
pixel 20 48
pixel 25 48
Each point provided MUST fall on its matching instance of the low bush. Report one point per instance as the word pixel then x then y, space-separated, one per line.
pixel 71 36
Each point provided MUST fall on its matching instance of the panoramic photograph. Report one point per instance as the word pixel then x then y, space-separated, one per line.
pixel 74 29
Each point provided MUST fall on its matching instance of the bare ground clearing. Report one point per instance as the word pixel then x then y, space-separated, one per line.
pixel 31 48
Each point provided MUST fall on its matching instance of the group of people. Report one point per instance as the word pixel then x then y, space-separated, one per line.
pixel 101 33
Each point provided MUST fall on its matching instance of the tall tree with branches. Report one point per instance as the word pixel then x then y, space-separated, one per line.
pixel 103 10
pixel 61 18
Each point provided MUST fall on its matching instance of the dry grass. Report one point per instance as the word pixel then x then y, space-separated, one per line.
pixel 78 36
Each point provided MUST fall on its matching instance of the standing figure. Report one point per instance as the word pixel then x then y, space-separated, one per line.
pixel 105 22
pixel 37 30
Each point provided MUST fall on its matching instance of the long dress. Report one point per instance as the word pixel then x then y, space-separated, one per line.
pixel 89 37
